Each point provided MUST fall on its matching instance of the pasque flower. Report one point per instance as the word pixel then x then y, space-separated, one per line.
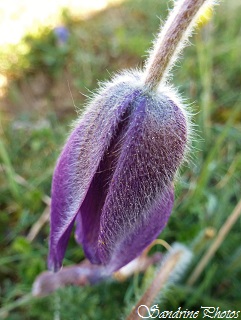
pixel 114 178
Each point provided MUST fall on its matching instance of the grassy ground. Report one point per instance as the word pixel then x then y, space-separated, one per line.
pixel 43 77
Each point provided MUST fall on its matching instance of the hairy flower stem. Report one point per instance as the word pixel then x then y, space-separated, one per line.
pixel 173 265
pixel 158 283
pixel 171 40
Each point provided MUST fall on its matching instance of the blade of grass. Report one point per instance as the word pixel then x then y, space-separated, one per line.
pixel 17 303
pixel 13 186
pixel 222 234
pixel 205 63
pixel 205 172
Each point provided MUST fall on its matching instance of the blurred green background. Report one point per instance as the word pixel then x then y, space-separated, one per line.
pixel 44 80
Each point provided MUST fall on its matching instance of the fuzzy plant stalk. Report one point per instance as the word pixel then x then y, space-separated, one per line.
pixel 114 180
pixel 173 266
pixel 171 40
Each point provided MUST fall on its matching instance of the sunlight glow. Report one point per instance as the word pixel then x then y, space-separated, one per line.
pixel 20 16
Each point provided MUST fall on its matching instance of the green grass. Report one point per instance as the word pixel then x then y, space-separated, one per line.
pixel 208 187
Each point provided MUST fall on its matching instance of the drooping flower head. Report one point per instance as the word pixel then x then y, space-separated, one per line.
pixel 114 178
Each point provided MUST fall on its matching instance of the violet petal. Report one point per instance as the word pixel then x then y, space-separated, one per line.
pixel 88 218
pixel 151 152
pixel 145 229
pixel 80 160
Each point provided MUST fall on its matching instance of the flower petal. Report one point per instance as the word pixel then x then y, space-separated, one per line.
pixel 80 160
pixel 88 218
pixel 145 229
pixel 150 155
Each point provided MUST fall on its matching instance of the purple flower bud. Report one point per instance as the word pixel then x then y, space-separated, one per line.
pixel 62 34
pixel 114 178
